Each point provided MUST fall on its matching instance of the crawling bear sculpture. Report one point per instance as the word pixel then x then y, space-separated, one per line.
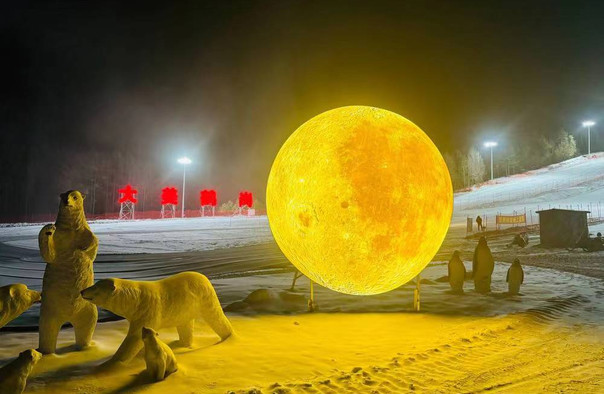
pixel 175 301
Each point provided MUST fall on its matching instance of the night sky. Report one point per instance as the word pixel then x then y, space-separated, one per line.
pixel 86 88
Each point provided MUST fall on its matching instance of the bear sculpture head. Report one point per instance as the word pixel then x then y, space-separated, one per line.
pixel 148 333
pixel 101 292
pixel 20 294
pixel 30 356
pixel 72 200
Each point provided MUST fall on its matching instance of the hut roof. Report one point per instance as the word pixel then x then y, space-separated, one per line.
pixel 560 210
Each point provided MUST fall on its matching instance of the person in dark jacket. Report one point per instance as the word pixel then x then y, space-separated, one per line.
pixel 479 223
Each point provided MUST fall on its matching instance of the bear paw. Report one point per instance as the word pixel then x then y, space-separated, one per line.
pixel 49 230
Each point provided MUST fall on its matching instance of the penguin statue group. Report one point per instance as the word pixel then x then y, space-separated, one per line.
pixel 483 265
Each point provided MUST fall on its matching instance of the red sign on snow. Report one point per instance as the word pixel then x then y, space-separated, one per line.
pixel 246 199
pixel 207 197
pixel 127 195
pixel 169 195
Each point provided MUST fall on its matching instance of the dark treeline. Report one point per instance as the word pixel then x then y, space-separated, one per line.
pixel 32 186
pixel 518 155
pixel 100 173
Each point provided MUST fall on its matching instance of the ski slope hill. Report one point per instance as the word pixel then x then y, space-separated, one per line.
pixel 577 183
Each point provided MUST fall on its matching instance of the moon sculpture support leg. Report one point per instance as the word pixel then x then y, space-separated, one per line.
pixel 297 274
pixel 185 333
pixel 84 323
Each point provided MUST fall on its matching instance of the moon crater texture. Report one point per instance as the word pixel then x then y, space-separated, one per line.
pixel 359 199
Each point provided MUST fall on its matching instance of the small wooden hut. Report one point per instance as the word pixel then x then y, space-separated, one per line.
pixel 562 228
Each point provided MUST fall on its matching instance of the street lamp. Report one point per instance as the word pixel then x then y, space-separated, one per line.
pixel 184 161
pixel 588 124
pixel 491 144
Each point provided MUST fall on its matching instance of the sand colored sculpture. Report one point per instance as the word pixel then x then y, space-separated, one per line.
pixel 69 248
pixel 14 300
pixel 159 358
pixel 457 273
pixel 482 266
pixel 175 301
pixel 515 277
pixel 13 376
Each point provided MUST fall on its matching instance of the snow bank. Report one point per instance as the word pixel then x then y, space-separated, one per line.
pixel 159 235
pixel 577 182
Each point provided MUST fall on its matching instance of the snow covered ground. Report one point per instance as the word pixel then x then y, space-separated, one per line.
pixel 159 235
pixel 547 340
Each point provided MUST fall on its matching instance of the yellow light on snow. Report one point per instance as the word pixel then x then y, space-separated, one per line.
pixel 359 199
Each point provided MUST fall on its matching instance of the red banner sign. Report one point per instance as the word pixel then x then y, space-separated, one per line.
pixel 246 199
pixel 127 194
pixel 169 195
pixel 207 197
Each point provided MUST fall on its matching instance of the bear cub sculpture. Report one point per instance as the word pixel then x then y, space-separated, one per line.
pixel 69 248
pixel 175 301
pixel 159 358
pixel 13 376
pixel 14 300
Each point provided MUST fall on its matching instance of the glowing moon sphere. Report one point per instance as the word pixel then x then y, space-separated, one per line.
pixel 359 199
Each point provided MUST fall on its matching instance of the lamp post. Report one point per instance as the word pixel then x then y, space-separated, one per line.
pixel 491 144
pixel 588 124
pixel 184 161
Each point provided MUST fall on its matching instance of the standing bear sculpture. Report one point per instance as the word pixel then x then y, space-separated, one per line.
pixel 69 248
pixel 175 301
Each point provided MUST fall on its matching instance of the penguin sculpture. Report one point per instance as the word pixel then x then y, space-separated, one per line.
pixel 482 266
pixel 515 277
pixel 457 273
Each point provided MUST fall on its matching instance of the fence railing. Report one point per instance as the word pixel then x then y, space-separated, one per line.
pixel 594 216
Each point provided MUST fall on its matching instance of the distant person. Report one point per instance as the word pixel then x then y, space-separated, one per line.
pixel 515 277
pixel 479 223
pixel 457 273
pixel 482 266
